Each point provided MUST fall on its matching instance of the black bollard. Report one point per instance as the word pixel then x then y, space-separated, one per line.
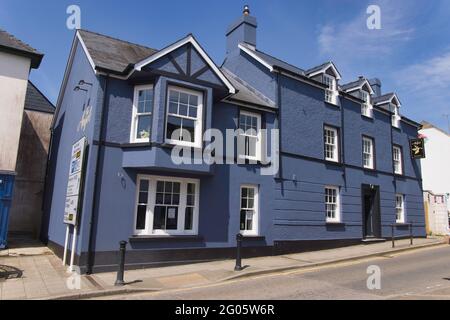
pixel 393 239
pixel 410 234
pixel 238 266
pixel 120 271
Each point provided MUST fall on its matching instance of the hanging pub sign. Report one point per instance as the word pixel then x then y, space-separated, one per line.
pixel 417 147
pixel 74 182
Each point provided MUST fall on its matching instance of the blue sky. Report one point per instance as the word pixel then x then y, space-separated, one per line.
pixel 410 54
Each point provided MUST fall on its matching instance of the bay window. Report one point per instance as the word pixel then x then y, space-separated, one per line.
pixel 166 206
pixel 184 117
pixel 142 113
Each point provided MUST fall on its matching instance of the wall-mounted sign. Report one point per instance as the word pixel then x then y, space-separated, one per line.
pixel 417 147
pixel 74 182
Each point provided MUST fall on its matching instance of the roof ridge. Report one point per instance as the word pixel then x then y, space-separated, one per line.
pixel 117 39
pixel 43 95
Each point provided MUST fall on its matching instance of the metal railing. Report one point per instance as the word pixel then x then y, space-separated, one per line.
pixel 394 225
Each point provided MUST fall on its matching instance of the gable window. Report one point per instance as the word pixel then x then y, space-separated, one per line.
pixel 331 143
pixel 249 210
pixel 332 204
pixel 368 153
pixel 166 206
pixel 250 124
pixel 397 157
pixel 184 117
pixel 330 92
pixel 399 208
pixel 142 113
pixel 366 107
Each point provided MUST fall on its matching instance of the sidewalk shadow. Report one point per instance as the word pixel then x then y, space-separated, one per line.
pixel 8 272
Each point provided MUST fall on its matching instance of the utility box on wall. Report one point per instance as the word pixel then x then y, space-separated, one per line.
pixel 6 188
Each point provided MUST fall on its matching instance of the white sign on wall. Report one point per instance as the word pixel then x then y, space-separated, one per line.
pixel 74 182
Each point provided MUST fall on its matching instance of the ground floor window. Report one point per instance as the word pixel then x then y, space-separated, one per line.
pixel 249 210
pixel 400 208
pixel 166 206
pixel 332 204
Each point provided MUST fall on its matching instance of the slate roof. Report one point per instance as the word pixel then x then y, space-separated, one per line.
pixel 11 44
pixel 274 62
pixel 245 92
pixel 384 97
pixel 353 84
pixel 36 101
pixel 317 68
pixel 113 54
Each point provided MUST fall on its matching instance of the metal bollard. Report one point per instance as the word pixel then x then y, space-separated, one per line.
pixel 410 234
pixel 120 271
pixel 238 266
pixel 393 239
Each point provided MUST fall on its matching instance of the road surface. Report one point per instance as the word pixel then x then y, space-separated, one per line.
pixel 419 274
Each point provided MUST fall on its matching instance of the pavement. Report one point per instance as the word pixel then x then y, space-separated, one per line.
pixel 44 277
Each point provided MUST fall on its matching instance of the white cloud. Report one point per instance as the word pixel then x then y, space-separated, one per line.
pixel 351 41
pixel 430 75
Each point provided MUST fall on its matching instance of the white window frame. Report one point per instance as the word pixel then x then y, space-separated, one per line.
pixel 181 207
pixel 371 164
pixel 335 131
pixel 258 153
pixel 135 114
pixel 398 163
pixel 395 118
pixel 366 107
pixel 337 218
pixel 400 208
pixel 255 223
pixel 198 130
pixel 330 91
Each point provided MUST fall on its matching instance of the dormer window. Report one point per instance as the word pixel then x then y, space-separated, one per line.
pixel 366 107
pixel 395 117
pixel 330 92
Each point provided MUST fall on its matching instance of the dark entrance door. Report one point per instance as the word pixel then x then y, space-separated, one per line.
pixel 371 218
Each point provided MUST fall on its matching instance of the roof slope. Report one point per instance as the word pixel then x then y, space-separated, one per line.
pixel 274 62
pixel 11 43
pixel 113 54
pixel 383 98
pixel 36 101
pixel 247 93
pixel 353 84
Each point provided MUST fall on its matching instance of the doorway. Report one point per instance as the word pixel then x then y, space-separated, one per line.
pixel 371 217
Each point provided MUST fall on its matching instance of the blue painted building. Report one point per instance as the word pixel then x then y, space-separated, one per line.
pixel 344 175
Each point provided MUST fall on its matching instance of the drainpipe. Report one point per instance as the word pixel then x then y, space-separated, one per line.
pixel 44 194
pixel 97 182
pixel 280 165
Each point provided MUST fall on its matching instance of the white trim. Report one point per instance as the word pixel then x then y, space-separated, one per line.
pixel 151 201
pixel 298 78
pixel 336 144
pixel 402 212
pixel 198 130
pixel 255 222
pixel 338 215
pixel 258 152
pixel 333 91
pixel 189 39
pixel 400 159
pixel 256 57
pixel 91 62
pixel 325 68
pixel 390 100
pixel 372 153
pixel 133 135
